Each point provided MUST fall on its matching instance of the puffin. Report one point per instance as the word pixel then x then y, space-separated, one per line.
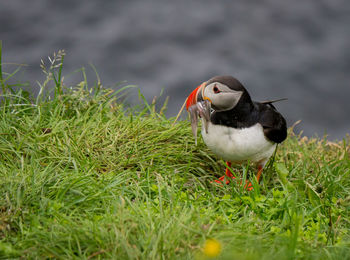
pixel 234 127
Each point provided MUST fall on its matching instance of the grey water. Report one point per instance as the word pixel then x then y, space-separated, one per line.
pixel 298 50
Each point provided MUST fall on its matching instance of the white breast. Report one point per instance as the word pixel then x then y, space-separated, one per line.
pixel 238 145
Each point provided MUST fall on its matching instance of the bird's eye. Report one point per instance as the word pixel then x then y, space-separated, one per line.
pixel 216 90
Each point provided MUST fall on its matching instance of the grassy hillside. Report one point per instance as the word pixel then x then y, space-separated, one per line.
pixel 83 177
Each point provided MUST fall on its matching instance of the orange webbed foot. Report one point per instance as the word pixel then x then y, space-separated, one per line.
pixel 229 176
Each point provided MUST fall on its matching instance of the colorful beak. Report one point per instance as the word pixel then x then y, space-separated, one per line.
pixel 195 95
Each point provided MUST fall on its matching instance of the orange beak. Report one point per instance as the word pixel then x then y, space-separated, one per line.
pixel 192 98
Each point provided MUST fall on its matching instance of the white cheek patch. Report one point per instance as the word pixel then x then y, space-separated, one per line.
pixel 228 100
pixel 225 100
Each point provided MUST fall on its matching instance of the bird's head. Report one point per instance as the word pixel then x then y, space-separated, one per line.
pixel 223 92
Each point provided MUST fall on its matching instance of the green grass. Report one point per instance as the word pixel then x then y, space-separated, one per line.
pixel 84 177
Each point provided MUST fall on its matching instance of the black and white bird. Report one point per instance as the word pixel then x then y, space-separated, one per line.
pixel 234 127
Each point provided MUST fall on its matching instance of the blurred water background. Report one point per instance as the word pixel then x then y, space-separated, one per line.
pixel 294 49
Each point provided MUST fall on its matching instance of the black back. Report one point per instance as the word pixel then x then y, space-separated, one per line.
pixel 274 124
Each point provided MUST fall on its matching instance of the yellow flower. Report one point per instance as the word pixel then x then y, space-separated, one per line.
pixel 212 248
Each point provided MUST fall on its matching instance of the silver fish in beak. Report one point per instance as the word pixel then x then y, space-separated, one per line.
pixel 198 109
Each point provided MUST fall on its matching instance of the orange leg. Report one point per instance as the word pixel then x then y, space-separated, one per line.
pixel 228 174
pixel 249 185
pixel 258 175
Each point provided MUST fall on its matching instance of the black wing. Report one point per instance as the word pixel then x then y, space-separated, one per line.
pixel 274 124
